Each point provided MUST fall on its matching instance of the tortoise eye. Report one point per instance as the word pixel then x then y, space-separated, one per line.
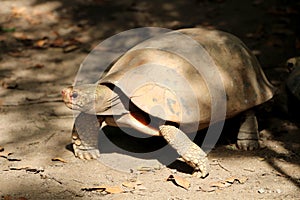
pixel 74 95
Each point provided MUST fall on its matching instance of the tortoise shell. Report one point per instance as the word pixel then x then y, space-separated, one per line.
pixel 186 75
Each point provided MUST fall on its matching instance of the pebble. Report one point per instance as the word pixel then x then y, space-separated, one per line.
pixel 278 191
pixel 261 191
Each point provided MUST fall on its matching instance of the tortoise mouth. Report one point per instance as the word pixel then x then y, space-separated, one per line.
pixel 72 106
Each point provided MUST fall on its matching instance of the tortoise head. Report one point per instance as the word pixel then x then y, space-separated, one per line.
pixel 85 98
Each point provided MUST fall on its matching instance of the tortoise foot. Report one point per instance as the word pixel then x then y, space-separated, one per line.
pixel 191 153
pixel 85 152
pixel 247 138
pixel 248 145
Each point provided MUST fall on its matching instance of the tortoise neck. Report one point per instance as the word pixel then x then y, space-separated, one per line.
pixel 105 99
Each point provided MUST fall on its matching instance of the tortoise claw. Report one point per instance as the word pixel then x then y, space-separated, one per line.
pixel 86 153
pixel 248 145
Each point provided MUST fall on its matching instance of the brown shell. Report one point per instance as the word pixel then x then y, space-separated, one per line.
pixel 177 76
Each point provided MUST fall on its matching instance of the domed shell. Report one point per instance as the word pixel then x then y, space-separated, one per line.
pixel 181 76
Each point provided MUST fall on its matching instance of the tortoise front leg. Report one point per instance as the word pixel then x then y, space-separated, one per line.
pixel 191 153
pixel 85 136
pixel 247 138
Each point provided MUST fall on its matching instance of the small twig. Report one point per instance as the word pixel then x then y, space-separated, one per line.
pixel 219 164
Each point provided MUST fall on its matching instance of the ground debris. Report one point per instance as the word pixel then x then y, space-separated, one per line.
pixel 213 186
pixel 179 181
pixel 59 159
pixel 132 184
pixel 28 169
pixel 104 189
pixel 7 155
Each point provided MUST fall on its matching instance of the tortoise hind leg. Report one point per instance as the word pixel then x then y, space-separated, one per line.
pixel 191 153
pixel 85 136
pixel 247 138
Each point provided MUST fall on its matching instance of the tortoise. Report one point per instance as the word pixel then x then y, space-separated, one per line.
pixel 172 109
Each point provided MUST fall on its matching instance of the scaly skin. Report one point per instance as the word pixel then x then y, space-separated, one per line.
pixel 248 133
pixel 191 153
pixel 86 146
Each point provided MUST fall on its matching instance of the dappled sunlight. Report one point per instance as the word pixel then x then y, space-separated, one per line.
pixel 43 43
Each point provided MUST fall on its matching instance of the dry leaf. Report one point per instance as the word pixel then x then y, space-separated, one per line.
pixel 28 169
pixel 108 189
pixel 242 179
pixel 5 154
pixel 89 189
pixel 231 179
pixel 43 43
pixel 219 184
pixel 114 190
pixel 179 181
pixel 206 188
pixel 58 42
pixel 70 48
pixel 59 159
pixel 132 184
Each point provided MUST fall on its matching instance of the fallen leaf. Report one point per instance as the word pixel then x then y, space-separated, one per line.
pixel 114 190
pixel 104 188
pixel 242 179
pixel 179 181
pixel 89 189
pixel 28 169
pixel 5 154
pixel 58 42
pixel 43 43
pixel 70 48
pixel 228 182
pixel 207 188
pixel 59 159
pixel 220 184
pixel 231 179
pixel 132 184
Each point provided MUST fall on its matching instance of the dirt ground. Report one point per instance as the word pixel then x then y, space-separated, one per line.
pixel 42 44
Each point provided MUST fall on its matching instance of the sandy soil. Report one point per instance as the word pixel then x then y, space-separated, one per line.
pixel 42 44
